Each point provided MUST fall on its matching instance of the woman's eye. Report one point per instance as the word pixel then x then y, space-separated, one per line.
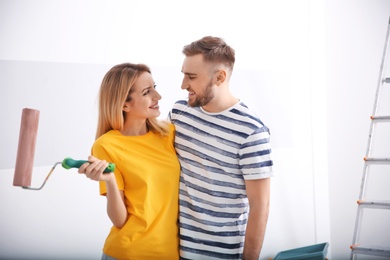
pixel 146 92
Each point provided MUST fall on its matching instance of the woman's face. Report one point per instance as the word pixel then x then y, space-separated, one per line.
pixel 144 98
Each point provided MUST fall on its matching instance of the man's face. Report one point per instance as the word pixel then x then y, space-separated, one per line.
pixel 197 80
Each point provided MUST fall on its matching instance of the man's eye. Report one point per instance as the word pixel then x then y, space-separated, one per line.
pixel 191 77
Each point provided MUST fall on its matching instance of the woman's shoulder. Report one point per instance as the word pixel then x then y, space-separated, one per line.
pixel 170 127
pixel 106 136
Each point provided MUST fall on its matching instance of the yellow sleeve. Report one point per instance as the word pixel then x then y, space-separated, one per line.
pixel 100 152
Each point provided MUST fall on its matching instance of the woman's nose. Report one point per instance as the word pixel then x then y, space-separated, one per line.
pixel 157 96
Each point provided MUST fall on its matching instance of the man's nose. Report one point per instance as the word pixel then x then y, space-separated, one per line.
pixel 184 84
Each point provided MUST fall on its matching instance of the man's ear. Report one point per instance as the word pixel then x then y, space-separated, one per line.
pixel 221 77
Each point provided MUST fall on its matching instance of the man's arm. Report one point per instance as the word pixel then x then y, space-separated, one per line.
pixel 258 192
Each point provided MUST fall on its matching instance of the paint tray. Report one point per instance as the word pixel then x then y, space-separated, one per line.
pixel 313 252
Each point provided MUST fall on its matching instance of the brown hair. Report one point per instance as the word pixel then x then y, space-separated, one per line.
pixel 214 50
pixel 114 91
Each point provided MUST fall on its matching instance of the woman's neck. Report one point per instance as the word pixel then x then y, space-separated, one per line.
pixel 133 129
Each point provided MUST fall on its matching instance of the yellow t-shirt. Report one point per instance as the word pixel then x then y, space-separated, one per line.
pixel 148 171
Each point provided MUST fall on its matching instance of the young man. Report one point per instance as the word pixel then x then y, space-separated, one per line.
pixel 224 152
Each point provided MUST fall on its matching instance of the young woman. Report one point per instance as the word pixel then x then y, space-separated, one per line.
pixel 142 193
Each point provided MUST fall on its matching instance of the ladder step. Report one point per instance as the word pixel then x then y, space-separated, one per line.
pixel 380 118
pixel 370 250
pixel 386 80
pixel 378 204
pixel 377 160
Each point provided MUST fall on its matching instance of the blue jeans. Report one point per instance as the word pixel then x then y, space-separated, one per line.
pixel 106 257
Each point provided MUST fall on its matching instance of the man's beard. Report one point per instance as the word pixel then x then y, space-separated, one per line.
pixel 203 100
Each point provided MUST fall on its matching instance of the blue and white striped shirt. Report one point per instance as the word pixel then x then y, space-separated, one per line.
pixel 217 152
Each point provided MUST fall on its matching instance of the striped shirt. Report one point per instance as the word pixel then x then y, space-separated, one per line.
pixel 217 152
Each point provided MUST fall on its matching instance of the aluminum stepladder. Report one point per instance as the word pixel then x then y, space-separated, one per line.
pixel 372 248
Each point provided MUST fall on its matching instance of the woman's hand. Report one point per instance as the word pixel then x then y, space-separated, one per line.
pixel 94 169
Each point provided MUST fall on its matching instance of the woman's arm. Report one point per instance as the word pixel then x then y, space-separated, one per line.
pixel 116 208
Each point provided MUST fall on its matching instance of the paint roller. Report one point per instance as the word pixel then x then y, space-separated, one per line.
pixel 26 150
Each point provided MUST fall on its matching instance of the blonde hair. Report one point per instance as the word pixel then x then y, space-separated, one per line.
pixel 114 91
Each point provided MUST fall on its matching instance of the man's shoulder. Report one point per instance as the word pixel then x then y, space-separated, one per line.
pixel 180 105
pixel 181 102
pixel 177 109
pixel 249 116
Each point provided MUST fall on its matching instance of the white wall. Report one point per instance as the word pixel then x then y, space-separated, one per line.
pixel 53 55
pixel 355 37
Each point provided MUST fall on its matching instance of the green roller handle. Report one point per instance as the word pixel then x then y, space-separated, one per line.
pixel 68 163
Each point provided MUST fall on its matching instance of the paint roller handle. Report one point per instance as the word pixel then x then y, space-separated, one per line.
pixel 68 163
